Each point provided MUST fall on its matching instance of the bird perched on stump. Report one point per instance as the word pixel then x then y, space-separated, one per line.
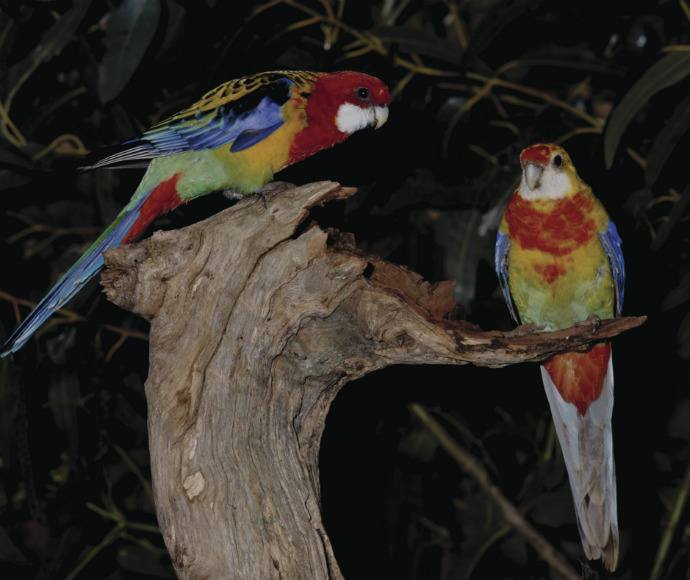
pixel 559 261
pixel 234 139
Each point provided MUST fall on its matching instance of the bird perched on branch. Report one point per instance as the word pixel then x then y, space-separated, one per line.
pixel 559 261
pixel 234 139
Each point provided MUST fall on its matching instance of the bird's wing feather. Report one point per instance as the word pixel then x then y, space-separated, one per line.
pixel 250 137
pixel 501 263
pixel 612 246
pixel 249 112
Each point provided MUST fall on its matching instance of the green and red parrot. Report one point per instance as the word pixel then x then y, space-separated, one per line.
pixel 234 139
pixel 559 261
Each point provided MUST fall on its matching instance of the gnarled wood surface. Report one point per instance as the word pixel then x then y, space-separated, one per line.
pixel 256 324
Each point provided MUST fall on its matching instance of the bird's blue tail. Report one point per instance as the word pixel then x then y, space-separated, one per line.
pixel 83 270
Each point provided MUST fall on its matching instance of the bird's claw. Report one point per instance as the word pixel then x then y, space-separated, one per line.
pixel 270 190
pixel 265 194
pixel 231 195
pixel 524 330
pixel 592 320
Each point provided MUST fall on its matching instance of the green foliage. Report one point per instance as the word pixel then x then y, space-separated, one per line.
pixel 129 34
pixel 670 70
pixel 473 83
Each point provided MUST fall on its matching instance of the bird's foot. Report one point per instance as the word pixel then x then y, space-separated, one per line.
pixel 231 195
pixel 270 190
pixel 524 330
pixel 265 194
pixel 592 320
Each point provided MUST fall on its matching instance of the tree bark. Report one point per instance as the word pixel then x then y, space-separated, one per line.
pixel 257 322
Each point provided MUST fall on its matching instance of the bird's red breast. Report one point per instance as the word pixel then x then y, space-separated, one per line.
pixel 554 226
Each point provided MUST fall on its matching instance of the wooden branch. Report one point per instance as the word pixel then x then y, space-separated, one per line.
pixel 256 324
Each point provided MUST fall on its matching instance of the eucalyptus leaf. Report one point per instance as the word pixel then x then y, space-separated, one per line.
pixel 679 295
pixel 676 215
pixel 666 72
pixel 683 336
pixel 52 43
pixel 665 141
pixel 501 15
pixel 127 39
pixel 419 42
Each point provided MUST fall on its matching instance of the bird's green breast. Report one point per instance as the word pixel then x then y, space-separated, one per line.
pixel 206 171
pixel 199 173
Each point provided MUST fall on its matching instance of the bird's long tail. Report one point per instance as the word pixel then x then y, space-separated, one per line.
pixel 579 387
pixel 128 224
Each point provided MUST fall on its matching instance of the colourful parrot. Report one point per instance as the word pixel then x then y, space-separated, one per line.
pixel 234 139
pixel 559 261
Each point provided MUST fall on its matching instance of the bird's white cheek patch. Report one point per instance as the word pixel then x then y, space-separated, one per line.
pixel 351 118
pixel 550 185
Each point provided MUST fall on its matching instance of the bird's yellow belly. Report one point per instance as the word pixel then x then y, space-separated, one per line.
pixel 560 290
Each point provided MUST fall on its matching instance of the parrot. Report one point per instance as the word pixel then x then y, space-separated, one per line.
pixel 559 261
pixel 234 139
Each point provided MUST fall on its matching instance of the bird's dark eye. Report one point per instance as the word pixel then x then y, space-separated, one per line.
pixel 363 93
pixel 557 161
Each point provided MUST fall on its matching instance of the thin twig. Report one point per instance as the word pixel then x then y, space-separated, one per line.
pixel 671 525
pixel 674 217
pixel 512 516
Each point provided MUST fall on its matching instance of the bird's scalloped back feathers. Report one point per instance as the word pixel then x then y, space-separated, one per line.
pixel 249 104
pixel 241 91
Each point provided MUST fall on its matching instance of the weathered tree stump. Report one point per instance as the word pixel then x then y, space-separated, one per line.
pixel 256 325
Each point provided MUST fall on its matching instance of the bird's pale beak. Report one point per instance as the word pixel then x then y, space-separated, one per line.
pixel 381 115
pixel 533 173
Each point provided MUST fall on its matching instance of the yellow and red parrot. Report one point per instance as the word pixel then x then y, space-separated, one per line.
pixel 234 139
pixel 559 261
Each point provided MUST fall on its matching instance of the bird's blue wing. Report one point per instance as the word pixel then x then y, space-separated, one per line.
pixel 612 246
pixel 501 263
pixel 243 115
pixel 251 137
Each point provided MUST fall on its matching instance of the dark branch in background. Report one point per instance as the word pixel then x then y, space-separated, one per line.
pixel 512 516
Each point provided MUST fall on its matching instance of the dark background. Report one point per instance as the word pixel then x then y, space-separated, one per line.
pixel 473 83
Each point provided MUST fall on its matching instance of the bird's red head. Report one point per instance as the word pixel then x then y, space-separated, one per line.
pixel 355 100
pixel 547 172
pixel 539 153
pixel 355 88
pixel 338 105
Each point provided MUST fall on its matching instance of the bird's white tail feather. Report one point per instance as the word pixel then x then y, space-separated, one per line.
pixel 587 447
